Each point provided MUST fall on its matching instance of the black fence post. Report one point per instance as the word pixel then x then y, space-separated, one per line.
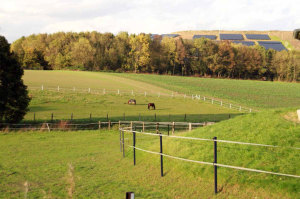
pixel 161 157
pixel 123 145
pixel 133 148
pixel 215 166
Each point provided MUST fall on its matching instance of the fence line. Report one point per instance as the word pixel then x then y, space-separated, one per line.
pixel 158 94
pixel 206 139
pixel 217 164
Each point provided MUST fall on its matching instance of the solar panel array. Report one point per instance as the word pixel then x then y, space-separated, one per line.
pixel 231 37
pixel 258 36
pixel 276 45
pixel 169 35
pixel 212 37
pixel 246 43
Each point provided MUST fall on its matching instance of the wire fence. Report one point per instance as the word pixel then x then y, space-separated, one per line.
pixel 159 127
pixel 214 164
pixel 145 93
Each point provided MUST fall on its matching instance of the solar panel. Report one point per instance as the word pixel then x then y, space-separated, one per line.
pixel 246 43
pixel 231 37
pixel 258 36
pixel 276 45
pixel 212 37
pixel 169 35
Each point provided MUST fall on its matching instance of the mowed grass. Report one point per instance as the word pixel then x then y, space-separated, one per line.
pixel 254 94
pixel 88 164
pixel 81 104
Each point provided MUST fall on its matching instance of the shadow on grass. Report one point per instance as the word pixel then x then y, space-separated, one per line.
pixel 149 118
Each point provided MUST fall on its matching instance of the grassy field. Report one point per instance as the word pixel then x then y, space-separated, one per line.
pixel 255 94
pixel 88 164
pixel 81 104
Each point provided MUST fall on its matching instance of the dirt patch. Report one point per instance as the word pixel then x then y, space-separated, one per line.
pixel 292 116
pixel 71 181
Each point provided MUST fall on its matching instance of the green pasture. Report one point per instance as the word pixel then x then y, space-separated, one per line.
pixel 254 94
pixel 81 104
pixel 88 164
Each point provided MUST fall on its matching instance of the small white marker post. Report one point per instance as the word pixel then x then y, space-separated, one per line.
pixel 203 98
pixel 221 103
pixel 42 87
pixel 212 101
pixel 58 88
pixel 118 92
pixel 89 90
pixel 229 105
pixel 131 92
pixel 240 108
pixel 145 93
pixel 74 89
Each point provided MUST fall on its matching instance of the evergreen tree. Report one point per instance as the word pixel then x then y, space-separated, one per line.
pixel 14 98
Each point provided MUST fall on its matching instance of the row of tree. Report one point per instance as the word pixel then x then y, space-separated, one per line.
pixel 144 54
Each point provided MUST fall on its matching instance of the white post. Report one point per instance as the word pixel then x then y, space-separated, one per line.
pixel 42 87
pixel 74 89
pixel 240 108
pixel 172 94
pixel 229 105
pixel 192 96
pixel 250 110
pixel 58 88
pixel 204 98
pixel 89 90
pixel 104 91
pixel 145 93
pixel 190 126
pixel 118 91
pixel 221 103
pixel 131 92
pixel 212 101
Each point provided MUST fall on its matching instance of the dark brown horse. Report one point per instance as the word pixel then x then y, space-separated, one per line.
pixel 151 105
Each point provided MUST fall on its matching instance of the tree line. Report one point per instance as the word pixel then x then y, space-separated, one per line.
pixel 94 51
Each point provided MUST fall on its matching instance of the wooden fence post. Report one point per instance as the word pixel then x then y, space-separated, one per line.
pixel 143 126
pixel 131 125
pixel 190 126
pixel 173 128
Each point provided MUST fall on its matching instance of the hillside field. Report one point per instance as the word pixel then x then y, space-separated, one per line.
pixel 81 104
pixel 88 164
pixel 255 94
